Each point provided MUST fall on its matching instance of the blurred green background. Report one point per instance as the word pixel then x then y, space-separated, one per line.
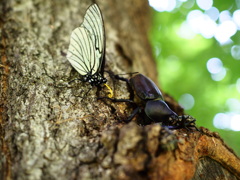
pixel 197 48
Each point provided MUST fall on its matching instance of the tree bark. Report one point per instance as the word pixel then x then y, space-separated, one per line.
pixel 53 130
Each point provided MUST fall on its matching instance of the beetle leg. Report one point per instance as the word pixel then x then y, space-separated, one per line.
pixel 112 75
pixel 135 111
pixel 121 78
pixel 117 100
pixel 131 91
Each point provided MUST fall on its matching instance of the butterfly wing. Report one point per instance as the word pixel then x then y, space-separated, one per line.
pixel 93 22
pixel 80 53
pixel 87 44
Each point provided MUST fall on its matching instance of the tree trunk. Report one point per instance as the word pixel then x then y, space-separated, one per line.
pixel 53 130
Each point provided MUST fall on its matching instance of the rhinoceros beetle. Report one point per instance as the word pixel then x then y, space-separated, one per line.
pixel 150 101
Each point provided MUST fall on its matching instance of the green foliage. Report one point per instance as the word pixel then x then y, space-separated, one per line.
pixel 182 68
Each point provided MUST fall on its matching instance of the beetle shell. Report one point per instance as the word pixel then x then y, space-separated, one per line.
pixel 158 111
pixel 145 88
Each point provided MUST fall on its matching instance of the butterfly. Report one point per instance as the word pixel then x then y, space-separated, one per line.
pixel 86 51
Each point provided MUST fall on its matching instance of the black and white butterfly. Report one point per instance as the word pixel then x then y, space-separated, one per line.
pixel 86 51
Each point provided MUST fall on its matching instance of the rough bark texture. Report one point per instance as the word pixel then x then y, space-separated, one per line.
pixel 52 130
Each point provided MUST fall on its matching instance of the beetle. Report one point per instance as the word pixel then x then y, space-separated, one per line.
pixel 149 100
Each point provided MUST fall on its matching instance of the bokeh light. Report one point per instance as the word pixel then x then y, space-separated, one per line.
pixel 235 123
pixel 225 16
pixel 227 121
pixel 214 65
pixel 205 80
pixel 236 18
pixel 163 5
pixel 205 4
pixel 221 121
pixel 224 32
pixel 186 101
pixel 208 21
pixel 233 105
pixel 235 51
pixel 213 13
pixel 220 75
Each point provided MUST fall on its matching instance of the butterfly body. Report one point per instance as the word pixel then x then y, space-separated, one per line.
pixel 94 80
